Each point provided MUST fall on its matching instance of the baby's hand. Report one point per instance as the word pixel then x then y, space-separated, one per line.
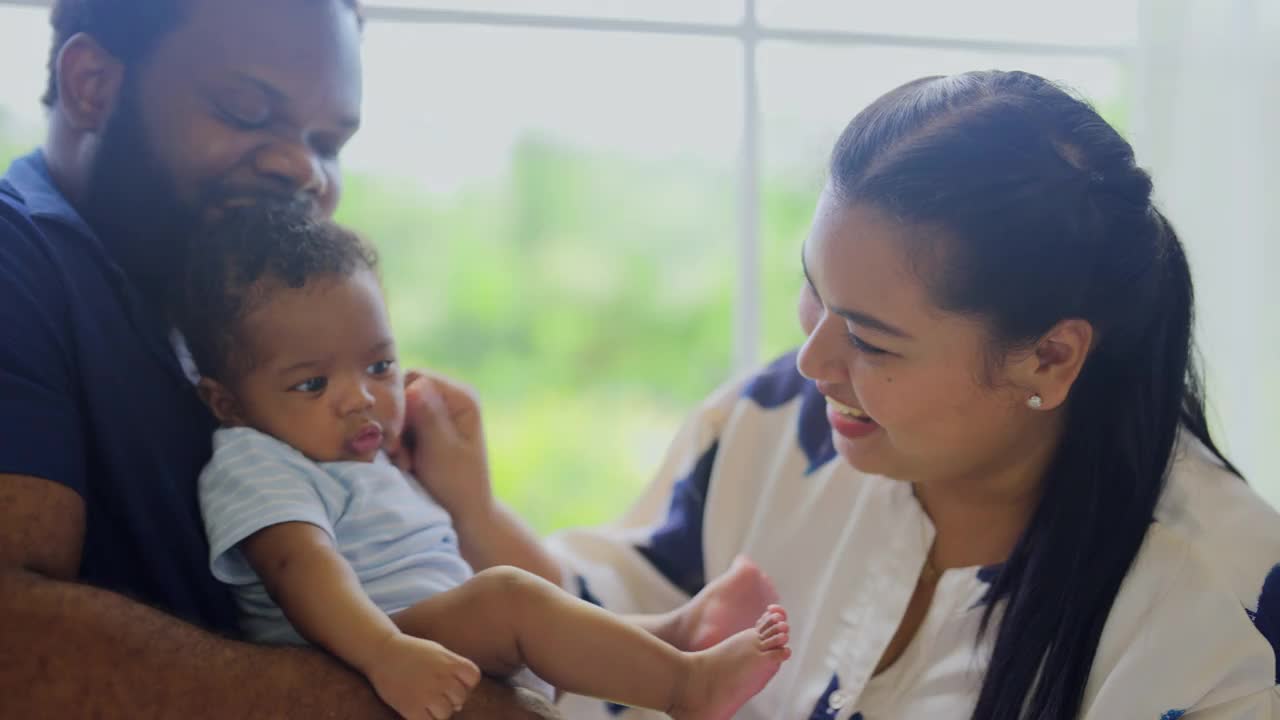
pixel 444 445
pixel 420 679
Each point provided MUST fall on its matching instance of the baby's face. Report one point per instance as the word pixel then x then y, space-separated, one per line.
pixel 325 378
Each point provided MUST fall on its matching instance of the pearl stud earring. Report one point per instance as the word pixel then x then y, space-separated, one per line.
pixel 1035 402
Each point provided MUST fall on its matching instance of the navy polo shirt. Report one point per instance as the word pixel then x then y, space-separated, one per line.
pixel 93 397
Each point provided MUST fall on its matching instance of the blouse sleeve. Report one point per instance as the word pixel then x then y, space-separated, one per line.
pixel 1179 643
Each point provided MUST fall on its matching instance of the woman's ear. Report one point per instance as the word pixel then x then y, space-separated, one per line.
pixel 221 402
pixel 1056 361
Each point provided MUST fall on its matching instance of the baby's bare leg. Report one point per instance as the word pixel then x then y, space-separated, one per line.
pixel 504 619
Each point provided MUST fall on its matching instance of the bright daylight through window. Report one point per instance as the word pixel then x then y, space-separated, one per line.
pixel 590 211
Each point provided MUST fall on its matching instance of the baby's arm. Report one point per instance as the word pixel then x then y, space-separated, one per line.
pixel 321 596
pixel 449 458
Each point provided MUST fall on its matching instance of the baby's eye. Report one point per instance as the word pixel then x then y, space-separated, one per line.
pixel 382 367
pixel 311 385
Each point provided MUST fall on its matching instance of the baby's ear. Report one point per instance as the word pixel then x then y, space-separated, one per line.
pixel 221 401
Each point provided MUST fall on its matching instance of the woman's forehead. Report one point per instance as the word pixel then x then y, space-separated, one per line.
pixel 861 257
pixel 857 247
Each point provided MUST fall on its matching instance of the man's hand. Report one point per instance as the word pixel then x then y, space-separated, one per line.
pixel 443 446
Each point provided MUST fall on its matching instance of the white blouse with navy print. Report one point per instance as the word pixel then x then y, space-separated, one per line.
pixel 1193 633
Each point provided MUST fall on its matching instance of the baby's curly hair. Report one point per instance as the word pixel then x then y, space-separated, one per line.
pixel 237 262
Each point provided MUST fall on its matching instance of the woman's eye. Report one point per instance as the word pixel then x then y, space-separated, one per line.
pixel 863 346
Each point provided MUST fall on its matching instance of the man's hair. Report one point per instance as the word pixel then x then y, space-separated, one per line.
pixel 236 263
pixel 128 29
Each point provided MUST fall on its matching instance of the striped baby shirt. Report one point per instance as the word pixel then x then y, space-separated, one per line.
pixel 399 541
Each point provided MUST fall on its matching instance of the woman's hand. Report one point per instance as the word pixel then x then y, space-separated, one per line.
pixel 443 446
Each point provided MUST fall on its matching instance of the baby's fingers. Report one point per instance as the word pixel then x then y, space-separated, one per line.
pixel 442 708
pixel 467 673
pixel 457 693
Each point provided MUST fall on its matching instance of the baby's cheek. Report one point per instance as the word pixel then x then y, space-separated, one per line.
pixel 394 422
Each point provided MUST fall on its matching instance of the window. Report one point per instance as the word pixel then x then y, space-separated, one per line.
pixel 1077 24
pixel 591 211
pixel 557 218
pixel 24 43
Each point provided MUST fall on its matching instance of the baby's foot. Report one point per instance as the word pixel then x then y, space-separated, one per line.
pixel 728 604
pixel 723 678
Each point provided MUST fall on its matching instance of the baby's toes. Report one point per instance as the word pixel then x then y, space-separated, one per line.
pixel 765 620
pixel 778 637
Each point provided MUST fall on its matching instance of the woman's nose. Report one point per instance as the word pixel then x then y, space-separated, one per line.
pixel 819 358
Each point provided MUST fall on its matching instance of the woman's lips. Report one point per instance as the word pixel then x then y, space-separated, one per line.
pixel 850 422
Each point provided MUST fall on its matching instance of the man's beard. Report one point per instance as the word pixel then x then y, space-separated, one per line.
pixel 131 204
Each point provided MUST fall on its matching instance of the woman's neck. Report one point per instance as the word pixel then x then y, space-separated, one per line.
pixel 978 518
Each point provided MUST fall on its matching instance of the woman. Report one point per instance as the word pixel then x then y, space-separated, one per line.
pixel 984 487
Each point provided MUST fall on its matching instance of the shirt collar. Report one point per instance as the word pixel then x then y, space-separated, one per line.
pixel 29 175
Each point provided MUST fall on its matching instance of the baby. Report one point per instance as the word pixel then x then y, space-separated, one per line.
pixel 325 541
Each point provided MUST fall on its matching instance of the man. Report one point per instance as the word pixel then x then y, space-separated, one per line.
pixel 161 112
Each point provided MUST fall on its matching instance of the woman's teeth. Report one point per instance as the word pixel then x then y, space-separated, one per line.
pixel 852 412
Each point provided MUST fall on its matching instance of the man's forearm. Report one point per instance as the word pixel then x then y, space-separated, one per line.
pixel 69 650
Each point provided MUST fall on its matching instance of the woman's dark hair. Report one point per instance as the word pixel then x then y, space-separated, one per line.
pixel 128 29
pixel 237 262
pixel 1045 216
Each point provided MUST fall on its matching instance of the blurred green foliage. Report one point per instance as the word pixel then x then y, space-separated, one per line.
pixel 589 300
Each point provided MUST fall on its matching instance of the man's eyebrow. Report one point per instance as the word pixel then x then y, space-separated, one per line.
pixel 278 97
pixel 271 91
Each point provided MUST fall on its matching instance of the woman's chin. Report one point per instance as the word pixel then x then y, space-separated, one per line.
pixel 863 453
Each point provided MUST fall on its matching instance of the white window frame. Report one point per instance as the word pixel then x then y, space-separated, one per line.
pixel 749 33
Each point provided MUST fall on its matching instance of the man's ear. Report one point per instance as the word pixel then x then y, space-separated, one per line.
pixel 89 80
pixel 221 401
pixel 1055 363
